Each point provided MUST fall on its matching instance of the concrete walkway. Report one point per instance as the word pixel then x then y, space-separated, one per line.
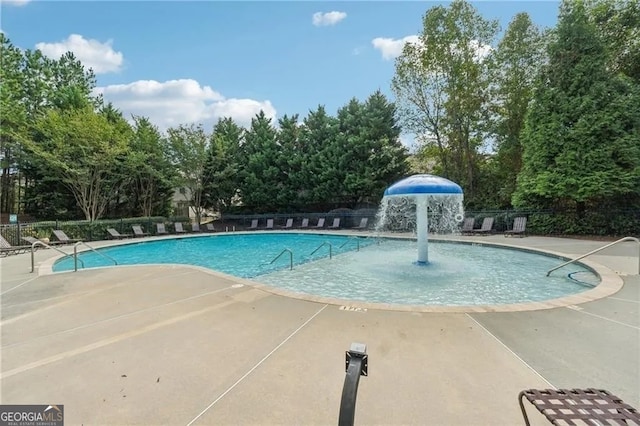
pixel 179 345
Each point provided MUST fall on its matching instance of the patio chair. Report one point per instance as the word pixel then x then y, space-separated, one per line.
pixel 115 235
pixel 289 224
pixel 160 229
pixel 519 227
pixel 6 248
pixel 363 224
pixel 335 224
pixel 63 238
pixel 305 223
pixel 269 224
pixel 210 228
pixel 320 223
pixel 467 226
pixel 138 232
pixel 178 227
pixel 486 228
pixel 254 224
pixel 195 227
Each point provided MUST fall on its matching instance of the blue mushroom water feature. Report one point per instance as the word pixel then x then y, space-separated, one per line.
pixel 431 195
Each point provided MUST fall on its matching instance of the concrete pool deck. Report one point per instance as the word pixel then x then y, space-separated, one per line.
pixel 182 345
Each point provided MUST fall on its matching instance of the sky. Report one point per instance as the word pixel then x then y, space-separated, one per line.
pixel 180 62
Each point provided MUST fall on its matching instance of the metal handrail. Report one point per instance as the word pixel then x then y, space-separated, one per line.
pixel 75 254
pixel 351 239
pixel 597 250
pixel 326 243
pixel 40 243
pixel 290 257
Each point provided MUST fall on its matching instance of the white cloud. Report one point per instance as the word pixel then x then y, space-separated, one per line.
pixel 14 2
pixel 184 101
pixel 320 19
pixel 92 53
pixel 392 48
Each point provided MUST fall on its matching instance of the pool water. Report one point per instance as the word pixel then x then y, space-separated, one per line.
pixel 241 255
pixel 382 270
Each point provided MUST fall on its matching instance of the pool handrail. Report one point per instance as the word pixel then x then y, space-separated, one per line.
pixel 349 240
pixel 290 258
pixel 75 255
pixel 597 250
pixel 326 243
pixel 35 244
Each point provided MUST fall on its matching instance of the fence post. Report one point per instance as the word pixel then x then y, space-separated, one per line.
pixel 18 234
pixel 57 226
pixel 121 226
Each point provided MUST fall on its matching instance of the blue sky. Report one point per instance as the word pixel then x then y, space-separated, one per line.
pixel 195 61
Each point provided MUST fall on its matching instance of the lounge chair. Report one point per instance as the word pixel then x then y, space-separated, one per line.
pixel 138 232
pixel 363 224
pixel 305 223
pixel 519 227
pixel 160 229
pixel 115 235
pixel 320 223
pixel 288 225
pixel 178 227
pixel 195 227
pixel 7 249
pixel 269 224
pixel 335 224
pixel 467 226
pixel 210 227
pixel 486 228
pixel 63 238
pixel 254 224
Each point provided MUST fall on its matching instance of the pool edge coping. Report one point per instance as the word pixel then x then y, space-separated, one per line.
pixel 610 281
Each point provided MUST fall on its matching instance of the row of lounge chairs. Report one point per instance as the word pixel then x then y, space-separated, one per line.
pixel 304 224
pixel 60 238
pixel 161 229
pixel 519 227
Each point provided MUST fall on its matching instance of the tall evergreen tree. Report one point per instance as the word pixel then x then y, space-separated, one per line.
pixel 261 179
pixel 581 134
pixel 222 170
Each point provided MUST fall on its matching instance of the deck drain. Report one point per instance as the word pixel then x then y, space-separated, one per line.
pixel 574 307
pixel 352 309
pixel 237 285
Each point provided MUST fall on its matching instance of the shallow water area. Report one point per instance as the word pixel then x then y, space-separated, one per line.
pixel 457 274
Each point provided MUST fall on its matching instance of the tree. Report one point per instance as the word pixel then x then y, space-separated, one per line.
pixel 82 149
pixel 261 180
pixel 618 24
pixel 152 176
pixel 13 122
pixel 514 66
pixel 441 86
pixel 319 131
pixel 222 167
pixel 188 146
pixel 581 134
pixel 371 154
pixel 291 160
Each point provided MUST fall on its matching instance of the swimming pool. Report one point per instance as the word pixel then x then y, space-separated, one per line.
pixel 382 270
